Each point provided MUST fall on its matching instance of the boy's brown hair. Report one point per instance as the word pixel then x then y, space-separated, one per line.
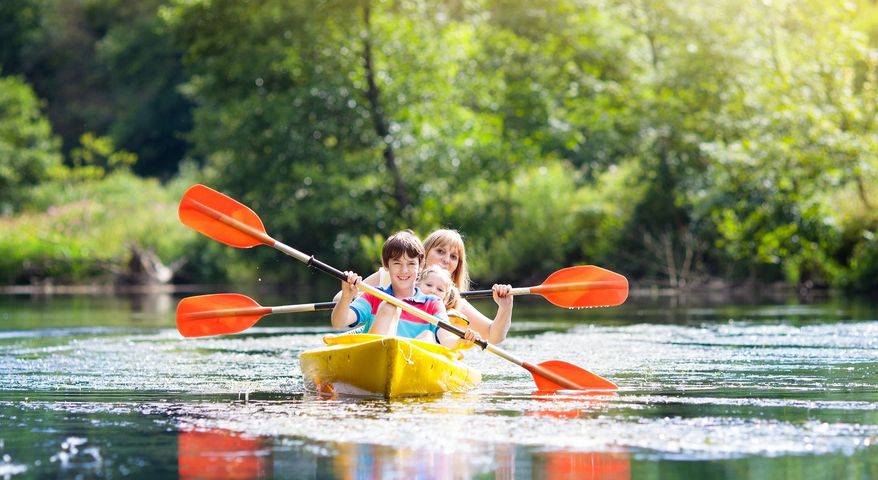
pixel 402 242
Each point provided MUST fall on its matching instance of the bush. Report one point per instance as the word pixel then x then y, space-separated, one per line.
pixel 76 230
pixel 857 223
pixel 863 273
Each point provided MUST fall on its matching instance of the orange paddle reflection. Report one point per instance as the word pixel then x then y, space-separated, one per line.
pixel 571 404
pixel 584 465
pixel 222 454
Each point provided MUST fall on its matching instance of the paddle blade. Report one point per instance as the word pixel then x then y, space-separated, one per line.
pixel 584 286
pixel 207 211
pixel 573 374
pixel 218 314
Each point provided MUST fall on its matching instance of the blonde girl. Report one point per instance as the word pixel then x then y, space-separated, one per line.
pixel 435 280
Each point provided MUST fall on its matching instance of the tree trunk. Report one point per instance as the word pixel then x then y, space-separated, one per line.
pixel 373 95
pixel 146 268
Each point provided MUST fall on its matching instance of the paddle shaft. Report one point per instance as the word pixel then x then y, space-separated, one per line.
pixel 313 262
pixel 259 310
pixel 323 306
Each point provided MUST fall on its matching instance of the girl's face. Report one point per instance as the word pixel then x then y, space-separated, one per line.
pixel 432 284
pixel 445 256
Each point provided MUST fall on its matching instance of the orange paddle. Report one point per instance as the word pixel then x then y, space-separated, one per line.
pixel 582 286
pixel 230 222
pixel 225 313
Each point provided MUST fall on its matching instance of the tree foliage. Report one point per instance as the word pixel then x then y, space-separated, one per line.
pixel 670 140
pixel 29 151
pixel 106 67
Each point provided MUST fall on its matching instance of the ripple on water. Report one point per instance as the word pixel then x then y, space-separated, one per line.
pixel 459 422
pixel 712 391
pixel 8 469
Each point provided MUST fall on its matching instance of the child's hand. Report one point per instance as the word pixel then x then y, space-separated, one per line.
pixel 391 311
pixel 502 295
pixel 349 287
pixel 470 337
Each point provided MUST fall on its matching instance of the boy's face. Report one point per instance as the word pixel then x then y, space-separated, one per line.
pixel 403 271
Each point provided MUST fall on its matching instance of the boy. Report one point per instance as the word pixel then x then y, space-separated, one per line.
pixel 402 256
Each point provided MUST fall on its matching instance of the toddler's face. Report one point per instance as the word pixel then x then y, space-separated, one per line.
pixel 431 284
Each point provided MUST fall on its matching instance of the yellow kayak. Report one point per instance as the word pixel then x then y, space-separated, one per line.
pixel 375 365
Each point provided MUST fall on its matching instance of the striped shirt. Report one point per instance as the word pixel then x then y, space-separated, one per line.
pixel 366 306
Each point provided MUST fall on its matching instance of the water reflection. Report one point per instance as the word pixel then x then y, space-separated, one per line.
pixel 570 405
pixel 583 465
pixel 154 303
pixel 359 461
pixel 353 461
pixel 222 454
pixel 219 453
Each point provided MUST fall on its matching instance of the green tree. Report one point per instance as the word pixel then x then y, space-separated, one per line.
pixel 29 152
pixel 19 22
pixel 348 118
pixel 61 64
pixel 150 115
pixel 804 137
pixel 107 67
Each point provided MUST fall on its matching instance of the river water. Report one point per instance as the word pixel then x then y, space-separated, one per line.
pixel 105 387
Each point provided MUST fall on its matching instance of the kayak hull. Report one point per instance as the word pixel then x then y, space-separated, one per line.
pixel 389 367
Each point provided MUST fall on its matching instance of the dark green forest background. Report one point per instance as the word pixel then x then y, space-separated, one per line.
pixel 677 142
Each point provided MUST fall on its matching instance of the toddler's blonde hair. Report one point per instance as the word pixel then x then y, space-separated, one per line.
pixel 452 294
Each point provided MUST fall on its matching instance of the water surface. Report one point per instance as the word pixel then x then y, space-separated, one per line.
pixel 106 387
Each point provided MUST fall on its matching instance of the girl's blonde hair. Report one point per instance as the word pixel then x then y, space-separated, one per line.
pixel 451 239
pixel 452 294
